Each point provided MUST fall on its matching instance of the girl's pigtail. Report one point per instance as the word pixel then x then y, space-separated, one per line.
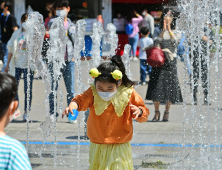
pixel 119 63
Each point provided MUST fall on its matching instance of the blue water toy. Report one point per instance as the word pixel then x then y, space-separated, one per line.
pixel 73 117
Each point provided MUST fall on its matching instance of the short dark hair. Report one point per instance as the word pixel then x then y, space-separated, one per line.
pixel 144 30
pixel 8 90
pixel 61 3
pixel 9 5
pixel 24 17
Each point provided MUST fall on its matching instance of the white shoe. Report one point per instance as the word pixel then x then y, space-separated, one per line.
pixel 135 58
pixel 131 58
pixel 143 83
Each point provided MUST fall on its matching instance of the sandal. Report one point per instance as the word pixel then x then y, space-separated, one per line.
pixel 165 116
pixel 157 114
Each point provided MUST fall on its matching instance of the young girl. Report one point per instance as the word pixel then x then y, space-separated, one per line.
pixel 113 103
pixel 18 63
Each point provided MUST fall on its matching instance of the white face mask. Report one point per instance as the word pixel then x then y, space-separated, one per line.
pixel 144 13
pixel 61 13
pixel 107 96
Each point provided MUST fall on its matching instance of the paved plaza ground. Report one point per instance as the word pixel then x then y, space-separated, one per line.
pixel 151 141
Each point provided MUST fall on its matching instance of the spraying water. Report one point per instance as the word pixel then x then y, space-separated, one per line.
pixel 126 60
pixel 79 45
pixel 96 40
pixel 111 38
pixel 199 20
pixel 34 33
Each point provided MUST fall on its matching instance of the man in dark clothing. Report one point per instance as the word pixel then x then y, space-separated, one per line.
pixel 8 26
pixel 201 54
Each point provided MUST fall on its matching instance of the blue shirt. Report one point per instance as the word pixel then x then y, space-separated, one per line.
pixel 13 155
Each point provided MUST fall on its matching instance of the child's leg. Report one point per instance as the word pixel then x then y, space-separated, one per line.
pixel 69 79
pixel 53 94
pixel 18 73
pixel 131 44
pixel 143 70
pixel 149 69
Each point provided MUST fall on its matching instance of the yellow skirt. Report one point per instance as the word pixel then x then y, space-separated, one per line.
pixel 110 156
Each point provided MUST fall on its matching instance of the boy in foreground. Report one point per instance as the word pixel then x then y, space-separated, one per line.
pixel 13 155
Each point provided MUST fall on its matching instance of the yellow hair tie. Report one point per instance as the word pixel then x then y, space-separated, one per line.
pixel 117 75
pixel 94 73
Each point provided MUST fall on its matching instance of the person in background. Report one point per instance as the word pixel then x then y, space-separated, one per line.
pixel 100 19
pixel 200 62
pixel 13 154
pixel 18 63
pixel 62 10
pixel 1 13
pixel 144 42
pixel 119 16
pixel 164 84
pixel 51 14
pixel 134 18
pixel 148 21
pixel 8 26
pixel 47 10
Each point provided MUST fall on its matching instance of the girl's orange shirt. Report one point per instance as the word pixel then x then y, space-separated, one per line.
pixel 108 128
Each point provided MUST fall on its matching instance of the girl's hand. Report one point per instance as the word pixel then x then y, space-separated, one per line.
pixel 136 111
pixel 72 105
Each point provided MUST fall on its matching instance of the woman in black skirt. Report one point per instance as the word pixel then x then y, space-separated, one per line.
pixel 164 85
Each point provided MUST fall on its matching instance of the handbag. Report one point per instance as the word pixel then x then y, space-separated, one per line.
pixel 155 57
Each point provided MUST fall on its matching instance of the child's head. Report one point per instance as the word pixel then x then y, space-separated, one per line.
pixel 145 31
pixel 105 82
pixel 8 90
pixel 23 19
pixel 60 6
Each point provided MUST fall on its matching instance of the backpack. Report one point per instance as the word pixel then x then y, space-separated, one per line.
pixel 129 29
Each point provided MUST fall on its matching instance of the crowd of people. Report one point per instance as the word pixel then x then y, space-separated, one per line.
pixel 15 56
pixel 163 84
pixel 112 100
